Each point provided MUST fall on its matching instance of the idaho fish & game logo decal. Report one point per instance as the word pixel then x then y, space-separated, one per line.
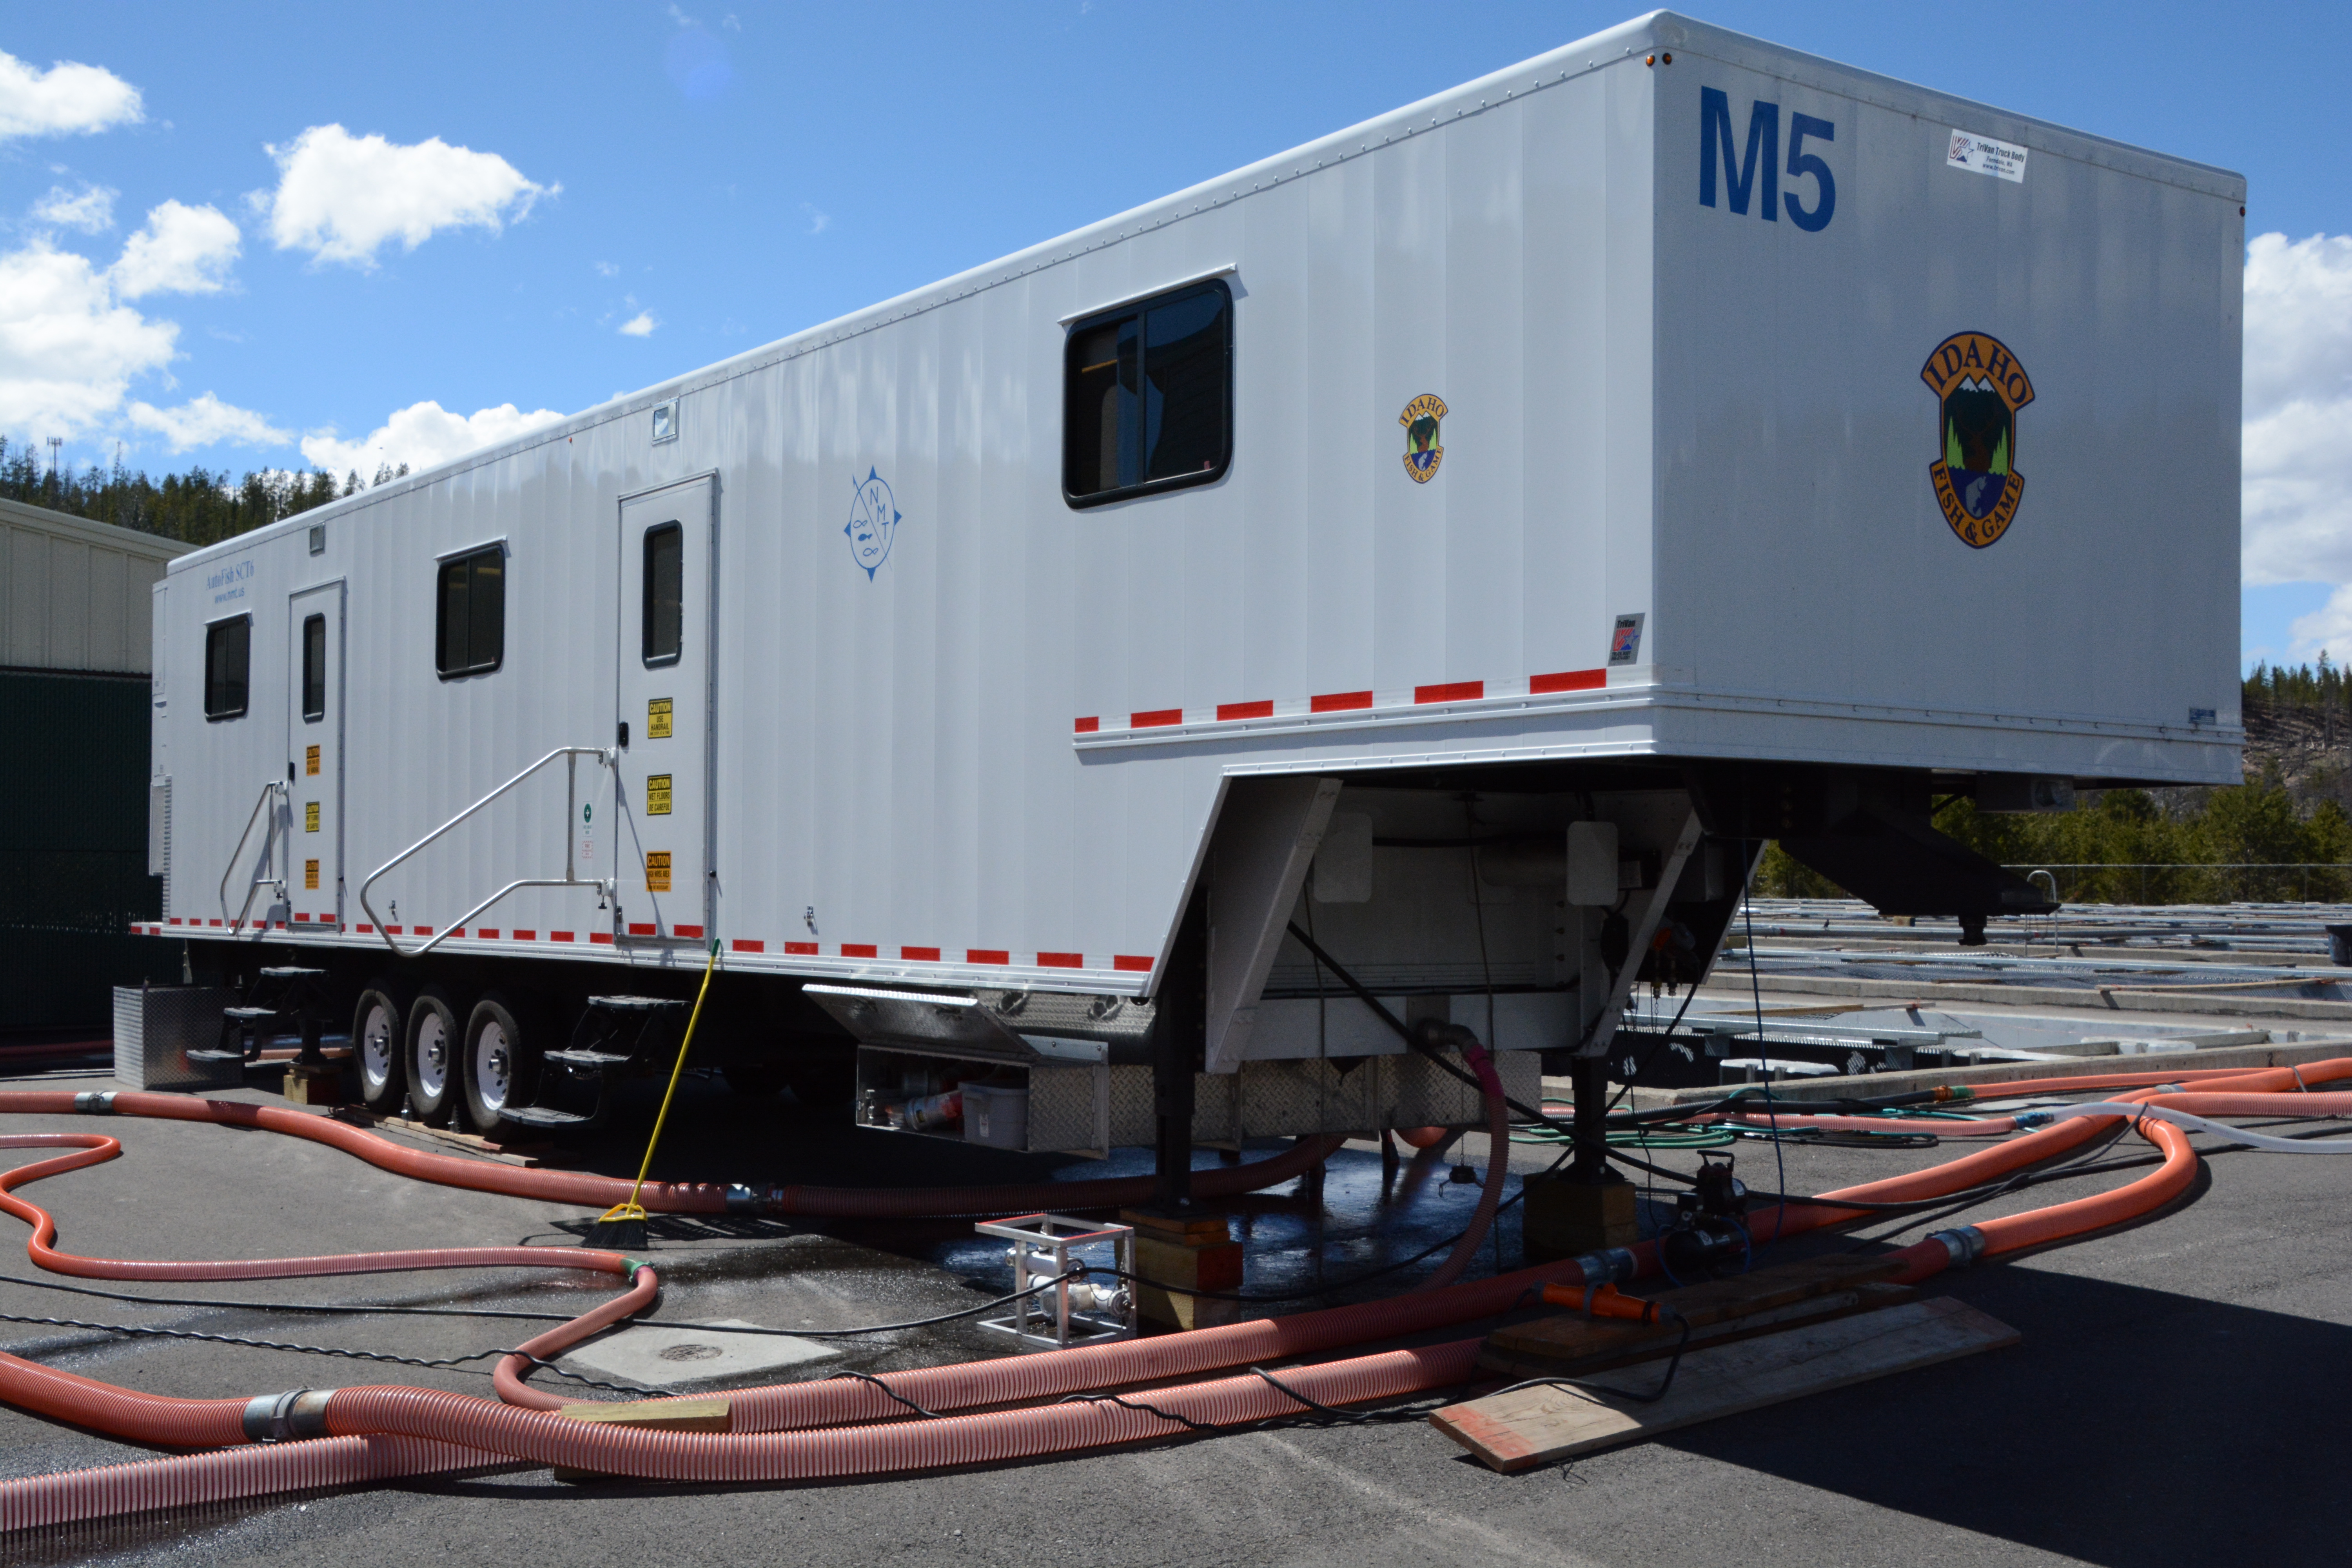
pixel 873 522
pixel 1980 387
pixel 1422 452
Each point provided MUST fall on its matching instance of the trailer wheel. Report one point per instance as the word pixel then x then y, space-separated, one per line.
pixel 379 1038
pixel 501 1062
pixel 434 1041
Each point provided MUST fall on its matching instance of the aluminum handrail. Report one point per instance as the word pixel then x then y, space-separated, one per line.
pixel 272 787
pixel 572 800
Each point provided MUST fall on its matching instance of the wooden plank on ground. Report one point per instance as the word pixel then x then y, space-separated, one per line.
pixel 1521 1428
pixel 1634 1343
pixel 1571 1337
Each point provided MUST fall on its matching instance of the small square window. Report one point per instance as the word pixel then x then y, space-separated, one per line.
pixel 228 652
pixel 1148 396
pixel 317 539
pixel 470 615
pixel 666 421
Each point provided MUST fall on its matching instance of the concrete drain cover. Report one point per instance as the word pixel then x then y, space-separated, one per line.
pixel 677 1355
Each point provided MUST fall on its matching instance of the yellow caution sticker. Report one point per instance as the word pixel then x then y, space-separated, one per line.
pixel 656 794
pixel 311 875
pixel 657 871
pixel 309 816
pixel 310 762
pixel 658 719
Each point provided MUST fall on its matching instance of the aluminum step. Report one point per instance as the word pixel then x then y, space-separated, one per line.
pixel 289 973
pixel 539 1116
pixel 586 1059
pixel 217 1055
pixel 251 1015
pixel 634 1004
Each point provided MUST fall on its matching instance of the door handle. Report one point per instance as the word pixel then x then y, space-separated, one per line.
pixel 625 734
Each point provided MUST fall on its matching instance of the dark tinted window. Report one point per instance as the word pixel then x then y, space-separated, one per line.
pixel 665 575
pixel 471 630
pixel 1148 396
pixel 314 668
pixel 228 649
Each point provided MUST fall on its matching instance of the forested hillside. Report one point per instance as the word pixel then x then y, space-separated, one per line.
pixel 198 507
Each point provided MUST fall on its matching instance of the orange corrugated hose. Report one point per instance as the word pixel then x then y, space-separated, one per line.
pixel 810 1431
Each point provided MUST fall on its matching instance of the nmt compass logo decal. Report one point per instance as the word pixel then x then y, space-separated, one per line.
pixel 1980 387
pixel 873 522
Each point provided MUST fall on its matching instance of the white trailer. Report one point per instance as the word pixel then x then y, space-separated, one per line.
pixel 1505 515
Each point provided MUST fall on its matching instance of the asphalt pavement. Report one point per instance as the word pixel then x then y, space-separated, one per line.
pixel 2179 1395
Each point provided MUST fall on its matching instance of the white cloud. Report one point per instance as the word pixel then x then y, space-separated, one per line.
pixel 68 350
pixel 2297 465
pixel 62 100
pixel 343 197
pixel 90 209
pixel 818 222
pixel 640 325
pixel 206 421
pixel 422 435
pixel 180 250
pixel 606 268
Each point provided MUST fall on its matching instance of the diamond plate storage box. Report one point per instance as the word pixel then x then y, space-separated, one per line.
pixel 156 1025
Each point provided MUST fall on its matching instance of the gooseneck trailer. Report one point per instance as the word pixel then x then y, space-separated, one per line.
pixel 1460 542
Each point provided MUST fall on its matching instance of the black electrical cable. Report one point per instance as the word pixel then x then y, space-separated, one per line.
pixel 361 1312
pixel 869 1378
pixel 1322 1413
pixel 134 1331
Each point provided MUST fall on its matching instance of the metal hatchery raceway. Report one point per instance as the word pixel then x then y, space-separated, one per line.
pixel 2231 1303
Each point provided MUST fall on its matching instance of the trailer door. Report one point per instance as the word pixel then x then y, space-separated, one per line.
pixel 669 541
pixel 314 756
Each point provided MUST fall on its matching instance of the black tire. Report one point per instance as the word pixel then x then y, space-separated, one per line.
pixel 504 1042
pixel 434 1039
pixel 755 1079
pixel 380 1041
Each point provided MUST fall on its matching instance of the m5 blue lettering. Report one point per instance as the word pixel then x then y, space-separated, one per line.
pixel 1741 166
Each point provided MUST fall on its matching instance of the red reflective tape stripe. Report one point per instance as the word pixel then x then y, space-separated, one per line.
pixel 1157 719
pixel 987 955
pixel 1338 701
pixel 216 923
pixel 802 947
pixel 176 920
pixel 370 931
pixel 1568 681
pixel 487 933
pixel 745 944
pixel 560 936
pixel 391 931
pixel 521 935
pixel 425 931
pixel 1246 709
pixel 1126 960
pixel 1088 726
pixel 299 916
pixel 1061 961
pixel 636 928
pixel 859 950
pixel 459 932
pixel 604 936
pixel 919 954
pixel 1451 691
pixel 695 931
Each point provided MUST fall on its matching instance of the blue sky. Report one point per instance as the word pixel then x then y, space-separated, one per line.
pixel 713 176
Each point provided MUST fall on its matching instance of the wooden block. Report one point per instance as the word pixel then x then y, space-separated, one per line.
pixel 1193 1226
pixel 1561 1218
pixel 1184 1264
pixel 1521 1428
pixel 666 1416
pixel 314 1083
